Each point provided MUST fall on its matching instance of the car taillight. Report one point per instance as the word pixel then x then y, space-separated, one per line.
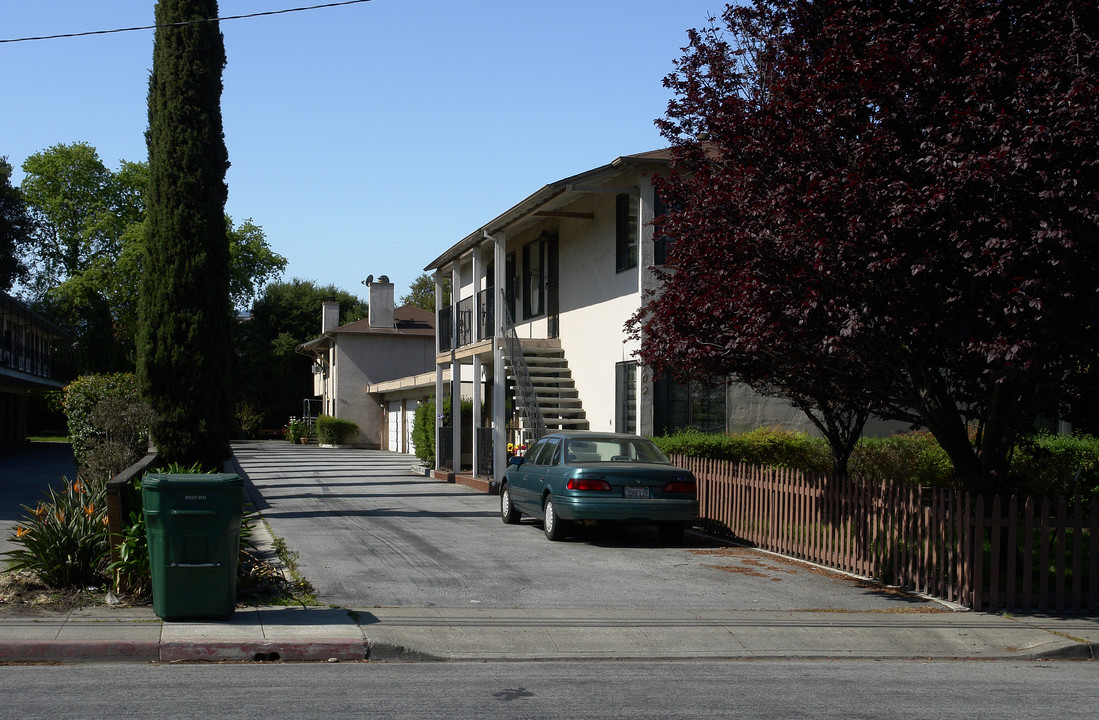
pixel 588 483
pixel 681 486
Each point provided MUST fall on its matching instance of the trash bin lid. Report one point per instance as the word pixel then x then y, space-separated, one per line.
pixel 156 480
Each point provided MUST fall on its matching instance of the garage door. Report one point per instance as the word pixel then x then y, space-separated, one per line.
pixel 394 425
pixel 410 417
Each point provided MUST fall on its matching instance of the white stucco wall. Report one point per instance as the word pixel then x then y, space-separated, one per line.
pixel 364 359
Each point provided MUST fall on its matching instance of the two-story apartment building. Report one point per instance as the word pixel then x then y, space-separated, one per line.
pixel 541 295
pixel 351 362
pixel 34 354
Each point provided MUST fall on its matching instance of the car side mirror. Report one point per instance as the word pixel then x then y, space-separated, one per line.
pixel 516 460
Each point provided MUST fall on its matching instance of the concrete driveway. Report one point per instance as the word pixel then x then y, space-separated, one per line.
pixel 25 474
pixel 370 533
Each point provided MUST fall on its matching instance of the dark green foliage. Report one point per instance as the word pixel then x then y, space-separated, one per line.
pixel 64 539
pixel 15 228
pixel 108 423
pixel 423 426
pixel 184 334
pixel 912 458
pixel 764 446
pixel 423 432
pixel 1057 465
pixel 1042 465
pixel 334 431
pixel 268 373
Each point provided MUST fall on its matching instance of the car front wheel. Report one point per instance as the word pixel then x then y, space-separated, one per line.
pixel 554 526
pixel 508 513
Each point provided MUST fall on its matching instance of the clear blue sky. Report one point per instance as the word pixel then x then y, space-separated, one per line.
pixel 365 139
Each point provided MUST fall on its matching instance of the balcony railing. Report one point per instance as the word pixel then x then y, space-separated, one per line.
pixel 472 320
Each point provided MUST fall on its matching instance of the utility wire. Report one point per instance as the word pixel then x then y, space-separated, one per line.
pixel 185 22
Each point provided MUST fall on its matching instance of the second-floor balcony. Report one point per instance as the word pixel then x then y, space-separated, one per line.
pixel 470 321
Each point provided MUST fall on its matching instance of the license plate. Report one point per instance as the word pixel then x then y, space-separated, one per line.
pixel 640 493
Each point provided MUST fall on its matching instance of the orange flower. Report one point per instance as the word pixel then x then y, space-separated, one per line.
pixel 78 487
pixel 41 511
pixel 21 531
pixel 89 510
pixel 60 516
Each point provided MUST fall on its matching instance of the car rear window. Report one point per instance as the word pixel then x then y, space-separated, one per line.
pixel 613 450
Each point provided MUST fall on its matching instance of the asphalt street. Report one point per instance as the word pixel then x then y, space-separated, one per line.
pixel 370 532
pixel 845 690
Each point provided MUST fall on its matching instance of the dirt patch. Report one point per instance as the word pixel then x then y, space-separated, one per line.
pixel 23 593
pixel 753 562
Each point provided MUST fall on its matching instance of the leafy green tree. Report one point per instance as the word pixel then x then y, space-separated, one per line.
pixel 270 374
pixel 96 299
pixel 184 330
pixel 15 229
pixel 80 209
pixel 421 293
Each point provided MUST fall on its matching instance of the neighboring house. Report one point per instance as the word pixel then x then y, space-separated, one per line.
pixel 35 354
pixel 541 297
pixel 385 348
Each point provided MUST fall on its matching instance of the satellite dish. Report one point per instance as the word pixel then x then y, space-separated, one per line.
pixel 369 279
pixel 383 279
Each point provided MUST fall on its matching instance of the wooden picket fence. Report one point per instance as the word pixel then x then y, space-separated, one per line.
pixel 1017 554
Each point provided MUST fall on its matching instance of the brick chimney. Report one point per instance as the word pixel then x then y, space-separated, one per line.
pixel 380 294
pixel 330 315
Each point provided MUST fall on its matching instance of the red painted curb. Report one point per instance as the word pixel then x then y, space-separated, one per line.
pixel 263 651
pixel 79 651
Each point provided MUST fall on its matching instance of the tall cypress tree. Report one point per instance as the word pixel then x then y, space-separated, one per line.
pixel 183 349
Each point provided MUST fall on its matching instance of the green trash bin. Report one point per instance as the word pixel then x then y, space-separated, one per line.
pixel 193 526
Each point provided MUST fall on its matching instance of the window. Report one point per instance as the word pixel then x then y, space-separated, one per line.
pixel 625 397
pixel 549 453
pixel 509 284
pixel 625 232
pixel 696 405
pixel 532 453
pixel 662 243
pixel 534 279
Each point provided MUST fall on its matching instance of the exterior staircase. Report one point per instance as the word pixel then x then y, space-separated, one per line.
pixel 554 391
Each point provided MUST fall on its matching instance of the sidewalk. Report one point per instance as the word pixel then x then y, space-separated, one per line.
pixel 456 634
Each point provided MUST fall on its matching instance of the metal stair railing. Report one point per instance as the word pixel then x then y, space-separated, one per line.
pixel 529 399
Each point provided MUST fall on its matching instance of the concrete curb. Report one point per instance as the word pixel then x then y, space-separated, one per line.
pixel 71 651
pixel 264 651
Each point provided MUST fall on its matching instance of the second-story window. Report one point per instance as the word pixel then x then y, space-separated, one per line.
pixel 534 278
pixel 625 232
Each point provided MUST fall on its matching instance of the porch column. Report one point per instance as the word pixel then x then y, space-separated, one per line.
pixel 438 370
pixel 477 272
pixel 438 411
pixel 456 368
pixel 499 372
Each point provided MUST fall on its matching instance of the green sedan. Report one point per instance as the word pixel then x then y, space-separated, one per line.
pixel 570 477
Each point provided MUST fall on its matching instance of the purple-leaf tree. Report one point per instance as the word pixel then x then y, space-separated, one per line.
pixel 890 208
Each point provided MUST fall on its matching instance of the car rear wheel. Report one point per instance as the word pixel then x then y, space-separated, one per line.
pixel 671 531
pixel 508 513
pixel 554 526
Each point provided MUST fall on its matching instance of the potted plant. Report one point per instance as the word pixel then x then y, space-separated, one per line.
pixel 297 431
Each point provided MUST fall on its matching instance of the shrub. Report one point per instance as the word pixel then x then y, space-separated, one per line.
pixel 248 418
pixel 334 431
pixel 913 458
pixel 108 423
pixel 1057 466
pixel 423 426
pixel 423 432
pixel 64 540
pixel 763 446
